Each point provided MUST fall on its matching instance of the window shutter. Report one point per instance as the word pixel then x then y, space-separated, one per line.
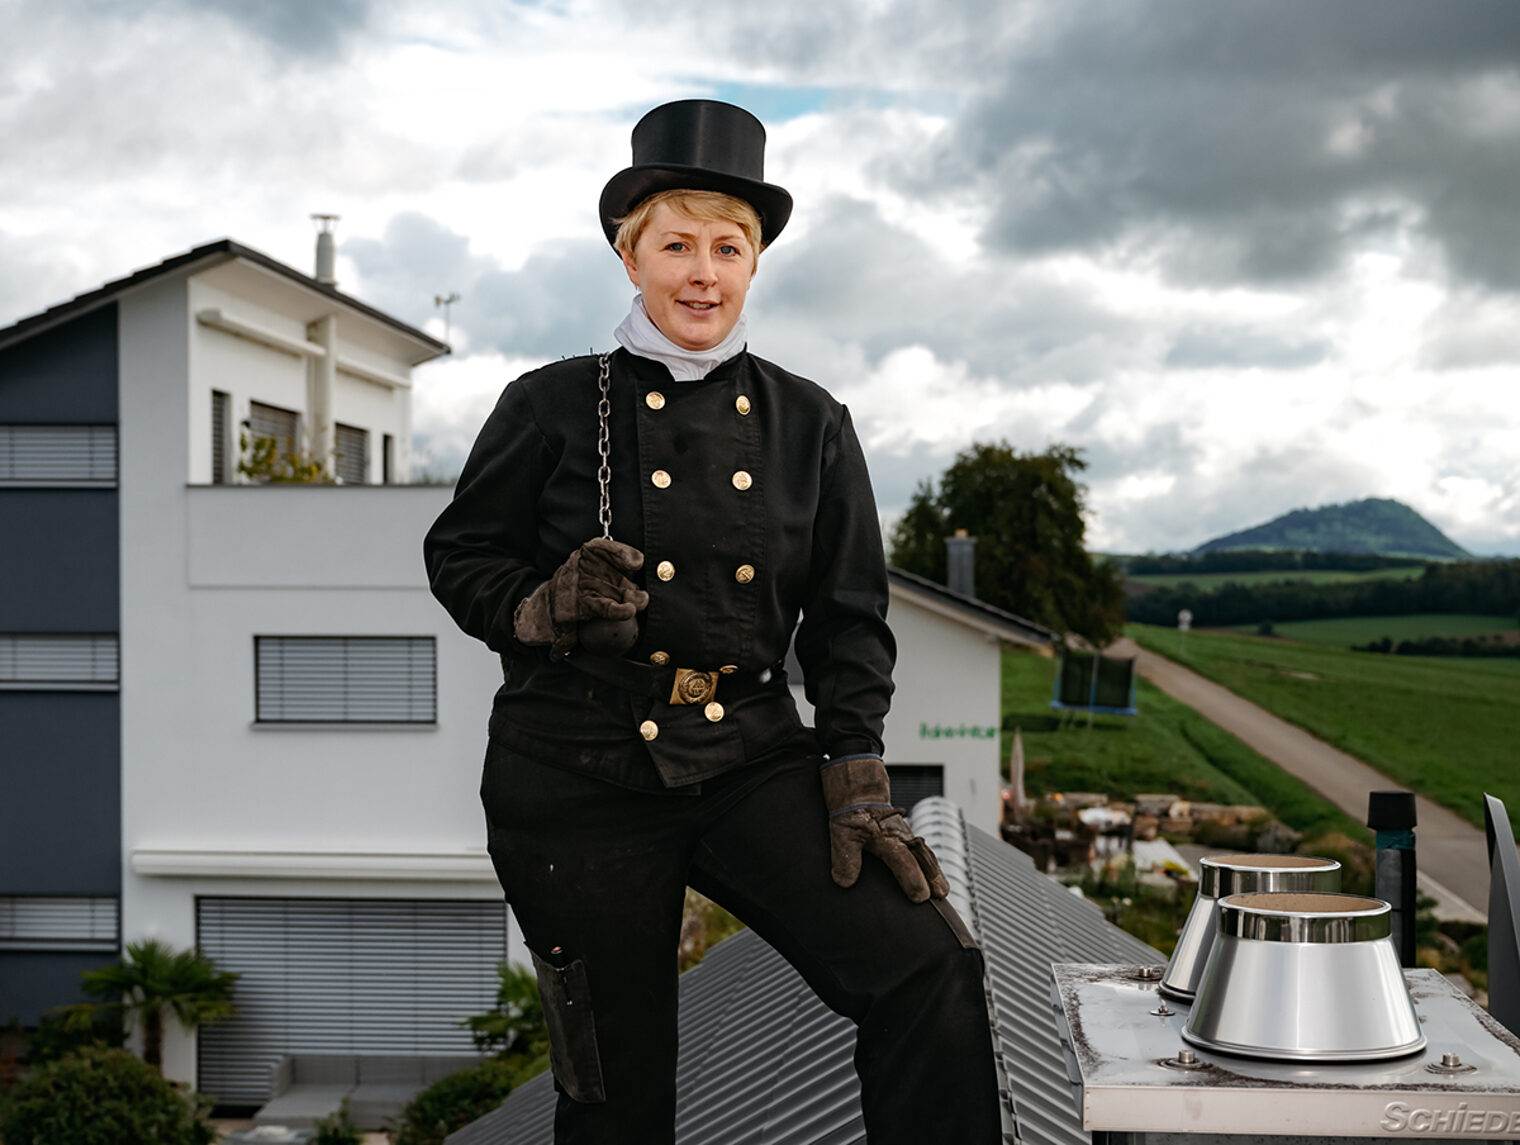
pixel 58 454
pixel 219 408
pixel 38 922
pixel 352 462
pixel 346 679
pixel 61 660
pixel 283 425
pixel 352 976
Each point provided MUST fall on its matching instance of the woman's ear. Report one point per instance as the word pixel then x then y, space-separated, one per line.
pixel 631 267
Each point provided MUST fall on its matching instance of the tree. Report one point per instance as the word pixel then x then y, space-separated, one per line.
pixel 152 978
pixel 1026 512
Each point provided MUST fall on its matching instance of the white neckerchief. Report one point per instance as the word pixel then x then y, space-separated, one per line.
pixel 639 335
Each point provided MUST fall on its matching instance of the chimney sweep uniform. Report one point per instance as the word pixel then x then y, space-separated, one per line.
pixel 637 534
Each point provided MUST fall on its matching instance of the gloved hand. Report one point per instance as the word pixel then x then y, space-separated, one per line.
pixel 592 585
pixel 861 818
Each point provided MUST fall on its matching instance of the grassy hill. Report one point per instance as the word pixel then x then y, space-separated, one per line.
pixel 1445 727
pixel 1375 525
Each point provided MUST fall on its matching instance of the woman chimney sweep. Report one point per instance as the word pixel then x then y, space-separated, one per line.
pixel 637 534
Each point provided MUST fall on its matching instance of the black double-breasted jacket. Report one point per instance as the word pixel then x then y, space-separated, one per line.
pixel 747 493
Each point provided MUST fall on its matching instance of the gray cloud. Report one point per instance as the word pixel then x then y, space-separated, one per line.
pixel 1243 347
pixel 1251 140
pixel 295 26
pixel 563 301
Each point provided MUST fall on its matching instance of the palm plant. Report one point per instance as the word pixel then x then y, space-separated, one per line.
pixel 154 977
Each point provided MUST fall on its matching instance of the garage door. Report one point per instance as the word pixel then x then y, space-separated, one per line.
pixel 380 976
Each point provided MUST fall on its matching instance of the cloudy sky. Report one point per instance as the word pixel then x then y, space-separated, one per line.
pixel 1249 256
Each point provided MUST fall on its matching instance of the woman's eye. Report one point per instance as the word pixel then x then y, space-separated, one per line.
pixel 728 248
pixel 675 246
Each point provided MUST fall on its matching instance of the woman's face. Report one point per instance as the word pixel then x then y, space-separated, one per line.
pixel 693 275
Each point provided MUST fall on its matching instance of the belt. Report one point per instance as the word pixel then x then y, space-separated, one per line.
pixel 677 685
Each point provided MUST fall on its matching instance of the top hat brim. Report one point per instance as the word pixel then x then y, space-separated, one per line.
pixel 632 185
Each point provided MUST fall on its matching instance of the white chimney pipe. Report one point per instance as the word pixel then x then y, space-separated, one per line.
pixel 326 270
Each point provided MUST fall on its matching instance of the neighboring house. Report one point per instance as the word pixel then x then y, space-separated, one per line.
pixel 942 734
pixel 231 714
pixel 763 1060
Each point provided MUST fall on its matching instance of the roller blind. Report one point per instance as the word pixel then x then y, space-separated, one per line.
pixel 76 922
pixel 58 454
pixel 346 679
pixel 59 659
pixel 220 405
pixel 352 461
pixel 358 976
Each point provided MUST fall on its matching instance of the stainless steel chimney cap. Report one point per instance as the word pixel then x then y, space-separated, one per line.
pixel 1304 977
pixel 1221 875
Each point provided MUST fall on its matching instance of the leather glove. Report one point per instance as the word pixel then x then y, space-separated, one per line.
pixel 861 819
pixel 592 585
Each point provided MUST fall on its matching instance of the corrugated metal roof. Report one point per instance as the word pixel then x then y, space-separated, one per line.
pixel 763 1062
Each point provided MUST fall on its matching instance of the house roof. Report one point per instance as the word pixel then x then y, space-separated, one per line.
pixel 763 1061
pixel 978 613
pixel 222 250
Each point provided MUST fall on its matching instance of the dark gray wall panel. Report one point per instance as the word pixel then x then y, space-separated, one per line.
pixel 32 981
pixel 60 770
pixel 59 562
pixel 65 375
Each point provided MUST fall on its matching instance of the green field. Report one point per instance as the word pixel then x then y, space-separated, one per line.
pixel 1209 581
pixel 1443 726
pixel 1343 632
pixel 1167 748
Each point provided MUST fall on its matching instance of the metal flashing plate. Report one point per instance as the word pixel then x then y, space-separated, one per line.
pixel 1131 1071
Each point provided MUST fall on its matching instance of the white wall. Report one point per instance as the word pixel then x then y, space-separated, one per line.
pixel 949 678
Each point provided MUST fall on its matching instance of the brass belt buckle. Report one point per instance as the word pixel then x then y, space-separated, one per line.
pixel 693 686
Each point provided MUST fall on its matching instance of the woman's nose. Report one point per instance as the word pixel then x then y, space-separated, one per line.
pixel 702 269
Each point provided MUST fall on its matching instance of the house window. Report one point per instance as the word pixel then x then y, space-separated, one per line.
pixel 77 922
pixel 388 459
pixel 59 662
pixel 346 679
pixel 352 461
pixel 220 405
pixel 58 455
pixel 282 426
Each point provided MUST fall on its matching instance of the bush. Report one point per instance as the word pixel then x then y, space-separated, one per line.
pixel 101 1097
pixel 1357 860
pixel 64 1030
pixel 338 1128
pixel 453 1102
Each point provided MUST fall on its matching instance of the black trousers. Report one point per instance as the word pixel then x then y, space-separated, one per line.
pixel 596 876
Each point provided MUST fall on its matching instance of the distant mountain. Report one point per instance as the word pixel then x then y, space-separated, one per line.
pixel 1376 525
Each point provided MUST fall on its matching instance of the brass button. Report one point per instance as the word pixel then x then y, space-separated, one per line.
pixel 659 659
pixel 729 669
pixel 649 729
pixel 660 478
pixel 713 711
pixel 665 570
pixel 742 480
pixel 742 404
pixel 654 399
pixel 743 574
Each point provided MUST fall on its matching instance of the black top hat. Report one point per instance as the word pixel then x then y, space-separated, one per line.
pixel 698 145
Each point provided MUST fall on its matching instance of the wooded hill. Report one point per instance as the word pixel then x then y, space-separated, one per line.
pixel 1484 588
pixel 1375 526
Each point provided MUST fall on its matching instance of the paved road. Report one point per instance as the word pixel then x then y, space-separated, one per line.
pixel 1452 853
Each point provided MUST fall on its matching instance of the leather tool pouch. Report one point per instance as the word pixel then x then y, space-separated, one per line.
pixel 566 997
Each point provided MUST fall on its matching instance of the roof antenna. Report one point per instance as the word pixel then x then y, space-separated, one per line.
pixel 325 256
pixel 445 301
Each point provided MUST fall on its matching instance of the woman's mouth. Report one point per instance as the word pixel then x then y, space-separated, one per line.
pixel 698 306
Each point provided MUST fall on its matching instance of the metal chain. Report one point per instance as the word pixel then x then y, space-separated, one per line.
pixel 604 446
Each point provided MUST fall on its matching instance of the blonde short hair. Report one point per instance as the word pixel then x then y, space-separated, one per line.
pixel 705 206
